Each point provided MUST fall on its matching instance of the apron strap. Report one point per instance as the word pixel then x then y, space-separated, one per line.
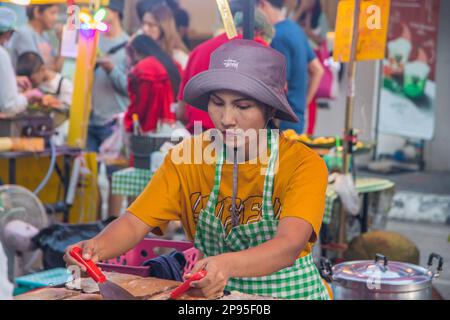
pixel 267 205
pixel 211 205
pixel 267 211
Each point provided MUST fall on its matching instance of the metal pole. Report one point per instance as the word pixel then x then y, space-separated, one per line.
pixel 350 104
pixel 377 119
pixel 249 19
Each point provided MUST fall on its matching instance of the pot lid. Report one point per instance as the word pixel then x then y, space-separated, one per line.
pixel 382 275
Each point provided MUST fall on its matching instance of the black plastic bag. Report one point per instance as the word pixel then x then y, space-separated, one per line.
pixel 54 240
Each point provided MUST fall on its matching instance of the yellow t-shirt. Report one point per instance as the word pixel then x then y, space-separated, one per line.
pixel 181 191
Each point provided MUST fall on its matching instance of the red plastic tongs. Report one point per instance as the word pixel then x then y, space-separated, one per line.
pixel 178 292
pixel 108 289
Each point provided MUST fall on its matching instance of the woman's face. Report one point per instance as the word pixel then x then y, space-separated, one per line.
pixel 233 114
pixel 151 27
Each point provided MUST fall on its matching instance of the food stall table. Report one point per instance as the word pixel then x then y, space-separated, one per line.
pixel 377 196
pixel 364 186
pixel 64 173
pixel 130 182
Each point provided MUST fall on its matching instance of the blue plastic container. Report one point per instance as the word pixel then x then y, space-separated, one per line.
pixel 49 278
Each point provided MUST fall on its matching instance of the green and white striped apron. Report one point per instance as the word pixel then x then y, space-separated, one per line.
pixel 301 281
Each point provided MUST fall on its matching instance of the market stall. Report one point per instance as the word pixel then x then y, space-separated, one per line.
pixel 355 205
pixel 34 138
pixel 86 48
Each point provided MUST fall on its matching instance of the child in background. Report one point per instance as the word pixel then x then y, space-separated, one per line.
pixel 57 91
pixel 31 65
pixel 11 100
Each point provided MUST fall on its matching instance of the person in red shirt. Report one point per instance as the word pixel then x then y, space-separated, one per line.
pixel 153 84
pixel 199 62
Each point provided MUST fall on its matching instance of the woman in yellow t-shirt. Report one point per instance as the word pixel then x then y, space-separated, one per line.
pixel 251 200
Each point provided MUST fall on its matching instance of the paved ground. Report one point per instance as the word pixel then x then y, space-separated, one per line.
pixel 429 238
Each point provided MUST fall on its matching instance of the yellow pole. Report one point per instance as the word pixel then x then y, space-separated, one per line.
pixel 84 76
pixel 350 103
pixel 81 101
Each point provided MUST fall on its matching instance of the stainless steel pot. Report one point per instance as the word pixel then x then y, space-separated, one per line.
pixel 381 279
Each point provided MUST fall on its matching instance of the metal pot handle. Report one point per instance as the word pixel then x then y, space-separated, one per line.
pixel 326 269
pixel 440 263
pixel 380 256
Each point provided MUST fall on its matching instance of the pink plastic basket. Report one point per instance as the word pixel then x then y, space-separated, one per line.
pixel 131 262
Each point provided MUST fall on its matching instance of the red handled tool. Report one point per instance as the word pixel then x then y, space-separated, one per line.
pixel 187 285
pixel 108 289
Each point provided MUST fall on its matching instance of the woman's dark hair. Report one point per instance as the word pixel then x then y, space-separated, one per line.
pixel 275 3
pixel 145 6
pixel 181 16
pixel 316 13
pixel 40 7
pixel 28 64
pixel 5 32
pixel 272 125
pixel 173 4
pixel 146 47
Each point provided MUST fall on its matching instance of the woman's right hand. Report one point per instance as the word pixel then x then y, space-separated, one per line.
pixel 90 252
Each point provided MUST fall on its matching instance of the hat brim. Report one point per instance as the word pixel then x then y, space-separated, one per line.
pixel 7 29
pixel 199 88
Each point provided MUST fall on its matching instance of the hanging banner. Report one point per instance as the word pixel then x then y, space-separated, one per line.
pixel 372 34
pixel 408 93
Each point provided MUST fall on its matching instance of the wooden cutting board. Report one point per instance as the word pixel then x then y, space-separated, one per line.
pixel 143 288
pixel 139 287
pixel 48 294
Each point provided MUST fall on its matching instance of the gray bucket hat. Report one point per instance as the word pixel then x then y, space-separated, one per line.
pixel 8 19
pixel 247 67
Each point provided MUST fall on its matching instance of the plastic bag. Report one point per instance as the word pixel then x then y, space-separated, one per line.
pixel 6 287
pixel 329 85
pixel 115 146
pixel 346 190
pixel 61 133
pixel 104 188
pixel 54 240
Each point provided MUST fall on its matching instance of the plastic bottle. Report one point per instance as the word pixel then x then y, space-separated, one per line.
pixel 136 126
pixel 103 185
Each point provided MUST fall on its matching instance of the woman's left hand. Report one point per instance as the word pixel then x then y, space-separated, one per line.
pixel 213 285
